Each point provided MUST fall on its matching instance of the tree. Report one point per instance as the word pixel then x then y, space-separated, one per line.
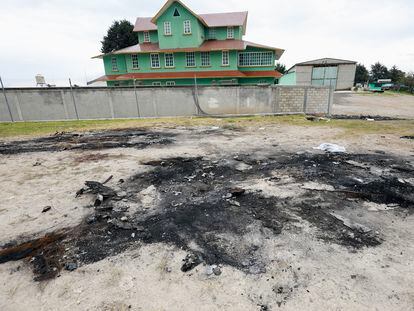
pixel 120 35
pixel 396 75
pixel 361 74
pixel 281 68
pixel 379 71
pixel 409 81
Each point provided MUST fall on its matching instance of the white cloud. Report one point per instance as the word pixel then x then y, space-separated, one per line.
pixel 57 37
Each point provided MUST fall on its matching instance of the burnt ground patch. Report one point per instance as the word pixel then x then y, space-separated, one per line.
pixel 133 138
pixel 197 208
pixel 365 117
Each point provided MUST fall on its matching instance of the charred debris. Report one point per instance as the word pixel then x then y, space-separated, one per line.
pixel 205 203
pixel 61 141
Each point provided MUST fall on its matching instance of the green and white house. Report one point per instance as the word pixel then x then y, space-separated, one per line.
pixel 180 47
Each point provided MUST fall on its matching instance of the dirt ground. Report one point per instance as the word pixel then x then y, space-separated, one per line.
pixel 208 218
pixel 382 104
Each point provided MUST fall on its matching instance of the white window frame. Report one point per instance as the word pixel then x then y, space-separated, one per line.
pixel 167 29
pixel 114 63
pixel 256 59
pixel 156 83
pixel 135 61
pixel 154 58
pixel 205 59
pixel 187 58
pixel 187 27
pixel 170 64
pixel 170 83
pixel 147 37
pixel 225 58
pixel 230 32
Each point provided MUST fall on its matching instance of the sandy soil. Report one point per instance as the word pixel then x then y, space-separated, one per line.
pixel 323 275
pixel 398 106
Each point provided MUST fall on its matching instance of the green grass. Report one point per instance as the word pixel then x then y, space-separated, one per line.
pixel 350 127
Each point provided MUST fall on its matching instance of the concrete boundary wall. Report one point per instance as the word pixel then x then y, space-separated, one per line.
pixel 42 104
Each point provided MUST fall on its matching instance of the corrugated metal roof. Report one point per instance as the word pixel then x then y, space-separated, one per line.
pixel 327 61
pixel 209 20
pixel 225 19
pixel 211 45
pixel 190 75
pixel 144 24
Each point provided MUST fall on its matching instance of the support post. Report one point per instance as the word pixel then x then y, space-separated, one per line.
pixel 305 101
pixel 7 101
pixel 136 98
pixel 73 98
pixel 197 102
pixel 330 102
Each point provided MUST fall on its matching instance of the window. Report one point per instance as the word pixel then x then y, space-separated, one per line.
pixel 205 59
pixel 187 27
pixel 167 28
pixel 230 32
pixel 253 59
pixel 170 83
pixel 176 13
pixel 135 63
pixel 212 33
pixel 147 36
pixel 156 83
pixel 114 63
pixel 190 59
pixel 225 58
pixel 155 61
pixel 169 60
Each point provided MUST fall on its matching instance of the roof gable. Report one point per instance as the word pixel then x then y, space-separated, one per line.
pixel 167 5
pixel 208 20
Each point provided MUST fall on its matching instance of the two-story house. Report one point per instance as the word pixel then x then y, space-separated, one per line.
pixel 180 47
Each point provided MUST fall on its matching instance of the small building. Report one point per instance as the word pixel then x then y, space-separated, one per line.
pixel 380 86
pixel 180 47
pixel 338 73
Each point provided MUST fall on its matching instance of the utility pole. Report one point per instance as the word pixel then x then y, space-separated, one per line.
pixel 7 101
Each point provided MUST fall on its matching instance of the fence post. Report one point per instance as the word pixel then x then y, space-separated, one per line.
pixel 196 99
pixel 136 98
pixel 73 98
pixel 277 101
pixel 7 101
pixel 305 101
pixel 330 101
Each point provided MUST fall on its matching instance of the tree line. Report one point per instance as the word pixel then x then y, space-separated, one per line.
pixel 379 71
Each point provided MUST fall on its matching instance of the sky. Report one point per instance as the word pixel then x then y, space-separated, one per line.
pixel 57 38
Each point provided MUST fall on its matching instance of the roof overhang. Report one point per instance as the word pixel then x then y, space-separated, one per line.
pixel 207 46
pixel 189 75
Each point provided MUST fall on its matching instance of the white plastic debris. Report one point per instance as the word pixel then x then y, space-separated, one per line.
pixel 333 148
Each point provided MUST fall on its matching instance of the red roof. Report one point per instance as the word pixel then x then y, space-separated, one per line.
pixel 190 75
pixel 225 19
pixel 211 45
pixel 144 24
pixel 211 20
